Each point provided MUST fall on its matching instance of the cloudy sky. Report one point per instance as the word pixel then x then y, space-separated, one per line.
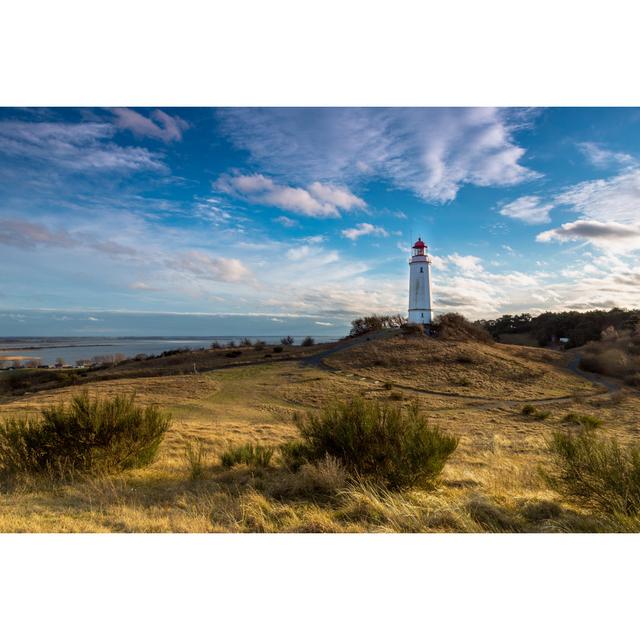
pixel 272 221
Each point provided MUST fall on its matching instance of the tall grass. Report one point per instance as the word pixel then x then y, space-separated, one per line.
pixel 89 434
pixel 596 471
pixel 195 455
pixel 253 455
pixel 393 446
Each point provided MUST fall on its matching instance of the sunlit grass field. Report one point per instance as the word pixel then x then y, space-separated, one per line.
pixel 491 483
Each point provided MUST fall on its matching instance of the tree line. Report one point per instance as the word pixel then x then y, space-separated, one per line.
pixel 579 327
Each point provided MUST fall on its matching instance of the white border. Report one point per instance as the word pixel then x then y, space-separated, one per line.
pixel 319 586
pixel 335 52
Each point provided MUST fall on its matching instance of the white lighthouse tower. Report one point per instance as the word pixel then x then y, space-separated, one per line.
pixel 420 285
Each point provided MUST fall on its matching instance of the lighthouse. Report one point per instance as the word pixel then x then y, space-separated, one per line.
pixel 420 285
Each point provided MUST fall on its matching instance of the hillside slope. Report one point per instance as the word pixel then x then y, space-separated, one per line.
pixel 493 371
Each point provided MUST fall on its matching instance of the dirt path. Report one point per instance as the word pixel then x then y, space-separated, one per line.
pixel 610 384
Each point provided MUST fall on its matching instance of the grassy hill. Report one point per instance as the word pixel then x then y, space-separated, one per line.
pixel 472 390
pixel 464 368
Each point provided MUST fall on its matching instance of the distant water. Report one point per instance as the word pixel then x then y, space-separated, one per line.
pixel 73 349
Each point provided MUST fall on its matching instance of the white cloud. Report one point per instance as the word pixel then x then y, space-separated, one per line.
pixel 364 229
pixel 25 234
pixel 610 210
pixel 470 264
pixel 317 201
pixel 286 222
pixel 159 125
pixel 313 256
pixel 276 320
pixel 432 152
pixel 29 235
pixel 615 199
pixel 528 209
pixel 439 263
pixel 341 197
pixel 215 268
pixel 76 147
pixel 142 286
pixel 325 324
pixel 601 157
pixel 599 233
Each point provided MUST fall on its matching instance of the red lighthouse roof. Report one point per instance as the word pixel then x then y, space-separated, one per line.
pixel 419 244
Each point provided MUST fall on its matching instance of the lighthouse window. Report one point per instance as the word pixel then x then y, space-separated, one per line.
pixel 421 270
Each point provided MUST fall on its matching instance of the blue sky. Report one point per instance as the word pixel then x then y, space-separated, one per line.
pixel 166 221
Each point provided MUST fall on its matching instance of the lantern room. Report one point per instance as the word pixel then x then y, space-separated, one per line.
pixel 419 248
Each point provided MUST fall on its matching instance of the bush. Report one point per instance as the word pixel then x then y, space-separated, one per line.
pixel 412 329
pixel 278 349
pixel 633 380
pixel 580 420
pixel 530 411
pixel 253 455
pixel 259 345
pixel 245 342
pixel 287 341
pixel 233 354
pixel 360 326
pixel 596 471
pixel 308 342
pixel 86 435
pixel 454 326
pixel 195 454
pixel 374 440
pixel 216 345
pixel 396 395
pixel 294 454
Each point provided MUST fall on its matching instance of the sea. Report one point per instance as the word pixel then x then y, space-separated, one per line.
pixel 71 350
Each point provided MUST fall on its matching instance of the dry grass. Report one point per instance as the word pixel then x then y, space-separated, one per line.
pixel 616 355
pixel 466 368
pixel 491 483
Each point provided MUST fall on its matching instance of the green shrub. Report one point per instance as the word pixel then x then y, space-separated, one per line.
pixel 86 435
pixel 253 455
pixel 375 440
pixel 308 342
pixel 580 420
pixel 596 471
pixel 294 454
pixel 195 454
pixel 536 414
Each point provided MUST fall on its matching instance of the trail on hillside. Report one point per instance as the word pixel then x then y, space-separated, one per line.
pixel 318 360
